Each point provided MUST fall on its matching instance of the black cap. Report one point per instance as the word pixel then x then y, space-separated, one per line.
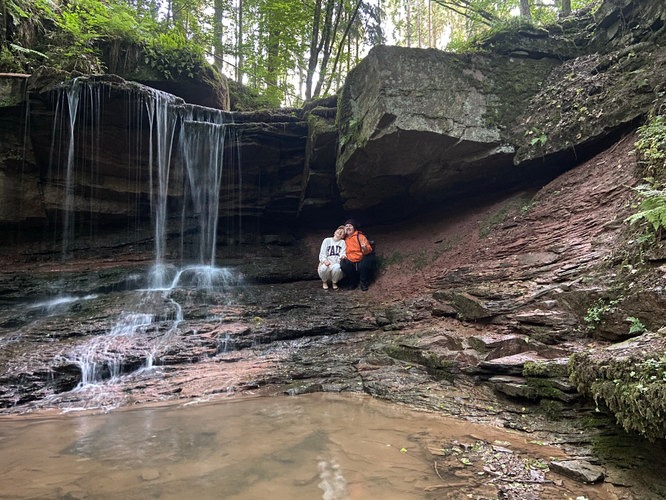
pixel 353 222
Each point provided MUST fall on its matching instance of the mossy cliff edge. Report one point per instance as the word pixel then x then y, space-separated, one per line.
pixel 630 379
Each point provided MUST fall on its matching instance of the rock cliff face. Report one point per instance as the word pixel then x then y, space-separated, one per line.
pixel 421 125
pixel 479 303
pixel 123 134
pixel 412 127
pixel 418 126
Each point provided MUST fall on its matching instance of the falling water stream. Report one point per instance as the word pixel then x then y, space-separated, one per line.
pixel 198 135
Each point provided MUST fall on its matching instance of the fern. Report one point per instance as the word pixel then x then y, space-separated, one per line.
pixel 653 207
pixel 29 52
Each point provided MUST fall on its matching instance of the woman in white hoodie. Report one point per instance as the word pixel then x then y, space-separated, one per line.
pixel 332 249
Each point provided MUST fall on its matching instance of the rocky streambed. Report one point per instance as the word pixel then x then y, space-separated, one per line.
pixel 285 339
pixel 475 314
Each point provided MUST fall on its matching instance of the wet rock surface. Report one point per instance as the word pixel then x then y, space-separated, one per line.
pixel 537 271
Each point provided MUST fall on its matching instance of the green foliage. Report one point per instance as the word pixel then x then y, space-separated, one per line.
pixel 172 55
pixel 651 146
pixel 9 63
pixel 597 312
pixel 652 208
pixel 636 325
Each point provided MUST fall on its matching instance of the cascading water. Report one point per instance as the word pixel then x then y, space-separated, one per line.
pixel 204 159
pixel 106 356
pixel 73 96
pixel 199 136
pixel 166 119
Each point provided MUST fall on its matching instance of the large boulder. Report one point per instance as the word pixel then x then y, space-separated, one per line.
pixel 418 125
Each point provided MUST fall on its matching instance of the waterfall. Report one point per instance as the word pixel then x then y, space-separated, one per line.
pixel 165 119
pixel 198 142
pixel 73 96
pixel 190 144
pixel 204 159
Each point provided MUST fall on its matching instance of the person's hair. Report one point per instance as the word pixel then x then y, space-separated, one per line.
pixel 353 222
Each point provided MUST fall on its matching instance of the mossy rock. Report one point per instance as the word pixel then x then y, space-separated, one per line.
pixel 551 389
pixel 629 378
pixel 548 369
pixel 438 368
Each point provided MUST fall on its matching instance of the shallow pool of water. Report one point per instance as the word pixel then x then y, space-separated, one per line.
pixel 332 447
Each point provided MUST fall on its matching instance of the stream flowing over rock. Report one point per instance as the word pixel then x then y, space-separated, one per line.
pixel 155 249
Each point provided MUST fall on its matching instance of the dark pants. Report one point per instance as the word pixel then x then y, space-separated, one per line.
pixel 362 270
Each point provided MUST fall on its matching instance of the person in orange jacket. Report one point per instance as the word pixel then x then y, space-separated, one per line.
pixel 360 262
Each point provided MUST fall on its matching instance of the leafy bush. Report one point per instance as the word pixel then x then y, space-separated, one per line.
pixel 173 55
pixel 651 146
pixel 636 325
pixel 597 312
pixel 82 23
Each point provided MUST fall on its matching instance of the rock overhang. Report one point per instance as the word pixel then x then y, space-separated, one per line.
pixel 418 124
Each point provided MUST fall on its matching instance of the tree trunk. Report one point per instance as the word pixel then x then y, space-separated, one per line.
pixel 429 25
pixel 409 23
pixel 3 22
pixel 314 51
pixel 342 43
pixel 218 33
pixel 239 44
pixel 329 32
pixel 525 12
pixel 566 8
pixel 419 21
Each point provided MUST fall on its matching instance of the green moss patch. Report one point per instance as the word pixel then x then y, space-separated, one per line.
pixel 440 369
pixel 629 378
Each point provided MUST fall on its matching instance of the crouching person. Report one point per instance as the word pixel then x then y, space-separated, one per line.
pixel 359 264
pixel 332 250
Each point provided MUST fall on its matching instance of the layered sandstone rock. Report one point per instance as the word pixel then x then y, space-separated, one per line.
pixel 421 125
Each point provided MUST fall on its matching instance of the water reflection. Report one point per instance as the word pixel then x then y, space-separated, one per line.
pixel 319 446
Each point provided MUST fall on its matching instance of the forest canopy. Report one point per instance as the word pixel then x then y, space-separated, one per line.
pixel 286 51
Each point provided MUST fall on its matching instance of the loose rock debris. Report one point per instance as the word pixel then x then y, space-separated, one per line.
pixel 483 471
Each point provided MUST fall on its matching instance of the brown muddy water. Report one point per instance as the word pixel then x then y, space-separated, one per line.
pixel 333 447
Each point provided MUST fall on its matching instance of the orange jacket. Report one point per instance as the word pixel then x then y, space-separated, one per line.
pixel 354 252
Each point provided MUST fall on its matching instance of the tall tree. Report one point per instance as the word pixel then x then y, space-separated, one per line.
pixel 525 11
pixel 565 9
pixel 218 33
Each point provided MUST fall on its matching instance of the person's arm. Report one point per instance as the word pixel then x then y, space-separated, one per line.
pixel 323 258
pixel 365 245
pixel 343 254
pixel 322 252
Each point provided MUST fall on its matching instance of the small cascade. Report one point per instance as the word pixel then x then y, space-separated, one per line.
pixel 105 357
pixel 52 306
pixel 204 159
